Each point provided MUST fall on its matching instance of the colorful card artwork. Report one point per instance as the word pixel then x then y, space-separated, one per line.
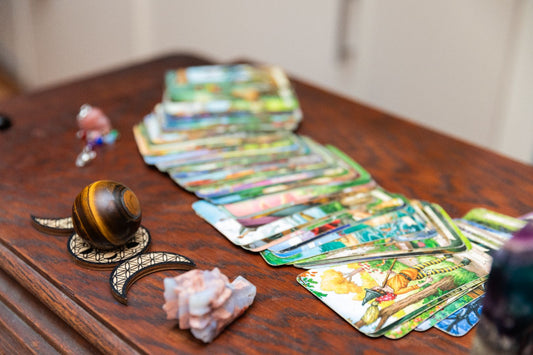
pixel 386 263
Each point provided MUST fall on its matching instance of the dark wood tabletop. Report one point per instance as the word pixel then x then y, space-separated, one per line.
pixel 49 303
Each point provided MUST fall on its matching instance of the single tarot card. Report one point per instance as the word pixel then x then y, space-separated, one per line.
pixel 346 170
pixel 342 235
pixel 149 150
pixel 463 320
pixel 283 223
pixel 241 233
pixel 267 183
pixel 193 169
pixel 236 88
pixel 494 220
pixel 155 133
pixel 343 223
pixel 447 311
pixel 277 201
pixel 281 230
pixel 261 183
pixel 482 234
pixel 226 180
pixel 457 298
pixel 318 196
pixel 314 155
pixel 439 235
pixel 378 236
pixel 527 217
pixel 168 127
pixel 162 127
pixel 379 295
pixel 216 148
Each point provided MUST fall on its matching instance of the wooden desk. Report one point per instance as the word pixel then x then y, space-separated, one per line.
pixel 50 303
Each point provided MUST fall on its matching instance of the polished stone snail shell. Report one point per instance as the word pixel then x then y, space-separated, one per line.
pixel 106 214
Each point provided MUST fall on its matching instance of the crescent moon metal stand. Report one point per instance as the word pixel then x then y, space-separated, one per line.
pixel 129 262
pixel 131 270
pixel 54 226
pixel 86 255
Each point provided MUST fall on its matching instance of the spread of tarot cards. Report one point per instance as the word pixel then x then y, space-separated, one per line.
pixel 385 263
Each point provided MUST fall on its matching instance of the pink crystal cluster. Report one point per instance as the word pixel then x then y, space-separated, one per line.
pixel 205 302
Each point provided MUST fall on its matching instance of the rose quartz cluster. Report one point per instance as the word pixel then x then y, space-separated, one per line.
pixel 205 302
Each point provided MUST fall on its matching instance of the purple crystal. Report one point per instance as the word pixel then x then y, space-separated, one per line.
pixel 506 324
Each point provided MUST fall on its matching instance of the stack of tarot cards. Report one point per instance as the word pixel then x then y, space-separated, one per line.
pixel 393 296
pixel 200 102
pixel 386 263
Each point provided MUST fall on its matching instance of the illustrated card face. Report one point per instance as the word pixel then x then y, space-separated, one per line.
pixel 246 232
pixel 482 234
pixel 215 123
pixel 220 148
pixel 342 169
pixel 449 310
pixel 260 183
pixel 456 300
pixel 330 218
pixel 377 296
pixel 256 209
pixel 320 196
pixel 494 220
pixel 277 201
pixel 194 168
pixel 163 127
pixel 223 180
pixel 348 230
pixel 148 149
pixel 422 228
pixel 338 222
pixel 227 88
pixel 463 320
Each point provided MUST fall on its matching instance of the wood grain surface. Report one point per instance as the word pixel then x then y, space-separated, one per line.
pixel 39 177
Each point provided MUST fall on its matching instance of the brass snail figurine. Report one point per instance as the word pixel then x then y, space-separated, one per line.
pixel 106 214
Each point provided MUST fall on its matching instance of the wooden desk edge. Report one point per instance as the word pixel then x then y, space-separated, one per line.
pixel 83 322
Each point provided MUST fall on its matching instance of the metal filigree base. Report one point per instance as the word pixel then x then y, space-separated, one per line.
pixel 129 262
pixel 129 271
pixel 55 226
pixel 89 256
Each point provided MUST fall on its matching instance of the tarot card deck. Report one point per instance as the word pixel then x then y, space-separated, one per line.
pixel 386 263
pixel 381 297
pixel 378 297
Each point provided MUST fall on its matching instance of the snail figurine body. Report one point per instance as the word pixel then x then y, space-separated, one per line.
pixel 106 214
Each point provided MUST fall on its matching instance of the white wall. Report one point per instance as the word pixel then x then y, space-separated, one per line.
pixel 7 36
pixel 439 63
pixel 516 126
pixel 67 39
pixel 58 40
pixel 459 67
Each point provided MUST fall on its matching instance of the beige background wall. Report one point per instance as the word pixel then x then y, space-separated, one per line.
pixel 461 67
